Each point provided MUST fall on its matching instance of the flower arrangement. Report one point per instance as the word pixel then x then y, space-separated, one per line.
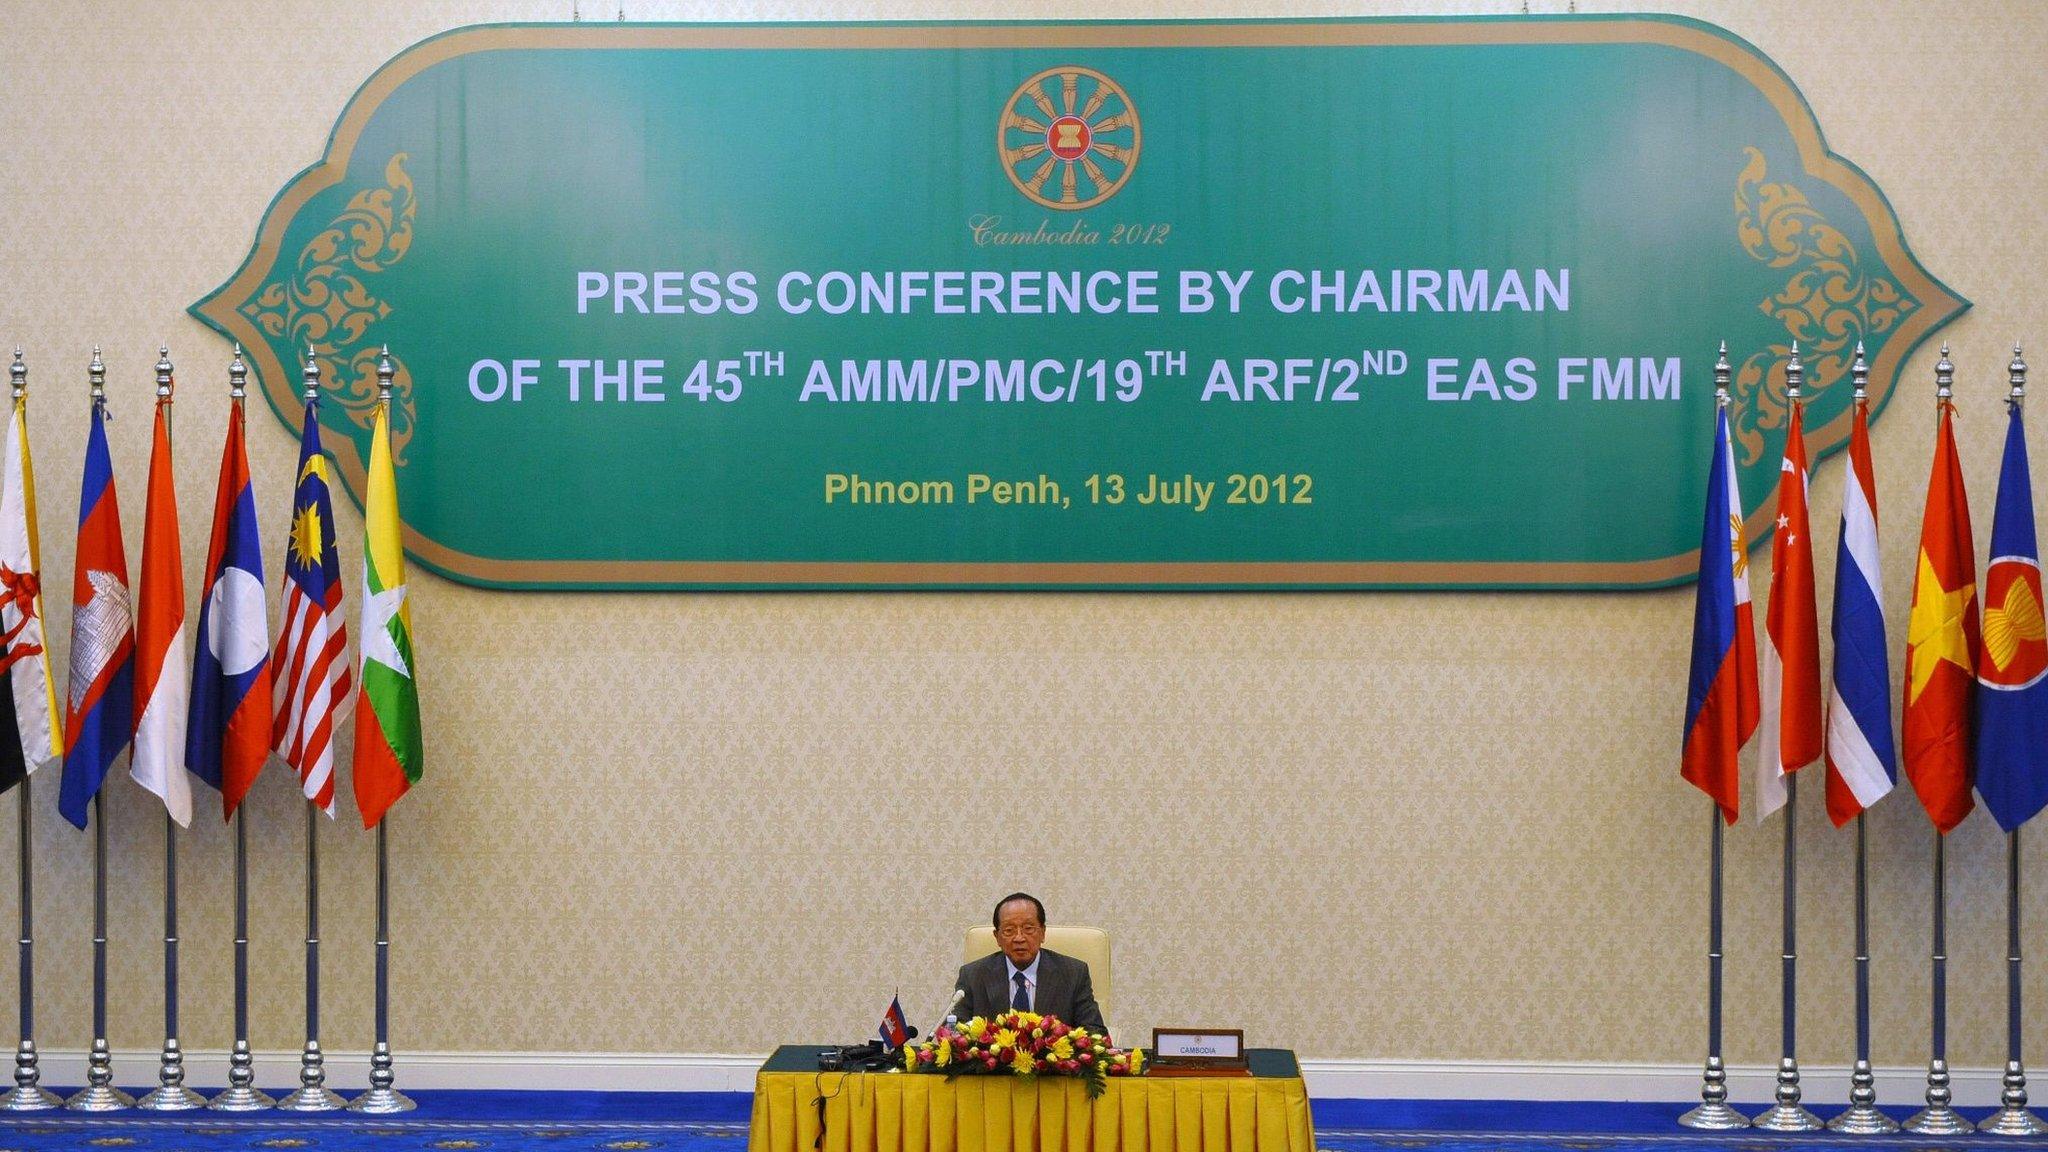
pixel 1023 1044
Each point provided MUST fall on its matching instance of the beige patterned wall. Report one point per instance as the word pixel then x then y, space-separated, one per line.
pixel 1397 826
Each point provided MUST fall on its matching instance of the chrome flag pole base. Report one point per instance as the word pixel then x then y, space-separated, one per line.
pixel 381 1101
pixel 313 1095
pixel 241 1100
pixel 1788 1114
pixel 99 1098
pixel 1863 1120
pixel 2013 1122
pixel 1715 1117
pixel 314 1098
pixel 28 1094
pixel 1938 1120
pixel 1788 1118
pixel 171 1098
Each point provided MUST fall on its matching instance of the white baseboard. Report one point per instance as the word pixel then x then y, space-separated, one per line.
pixel 348 1072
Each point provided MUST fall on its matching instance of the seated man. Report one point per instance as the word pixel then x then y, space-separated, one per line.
pixel 1024 976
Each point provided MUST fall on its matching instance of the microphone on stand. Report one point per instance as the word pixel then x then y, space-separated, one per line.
pixel 959 995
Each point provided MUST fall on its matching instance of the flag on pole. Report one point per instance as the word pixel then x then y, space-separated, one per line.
pixel 1790 666
pixel 2012 701
pixel 1721 700
pixel 389 752
pixel 162 692
pixel 1942 641
pixel 1861 763
pixel 29 727
pixel 99 705
pixel 894 1031
pixel 227 731
pixel 310 666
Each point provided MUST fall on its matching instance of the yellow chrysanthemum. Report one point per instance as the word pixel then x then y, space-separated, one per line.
pixel 1137 1061
pixel 1022 1064
pixel 1006 1038
pixel 910 1058
pixel 945 1055
pixel 1063 1049
pixel 974 1026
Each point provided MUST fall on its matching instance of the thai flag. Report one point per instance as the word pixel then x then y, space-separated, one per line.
pixel 2012 701
pixel 227 732
pixel 895 1030
pixel 100 699
pixel 1862 766
pixel 1721 702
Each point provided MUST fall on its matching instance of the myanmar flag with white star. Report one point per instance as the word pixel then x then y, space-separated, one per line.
pixel 389 753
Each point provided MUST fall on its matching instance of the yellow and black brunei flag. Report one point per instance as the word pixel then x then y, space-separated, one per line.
pixel 29 727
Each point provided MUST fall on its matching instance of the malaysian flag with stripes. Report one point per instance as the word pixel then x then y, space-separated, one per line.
pixel 310 667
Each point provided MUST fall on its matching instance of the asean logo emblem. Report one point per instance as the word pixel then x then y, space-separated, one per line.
pixel 1069 138
pixel 2015 628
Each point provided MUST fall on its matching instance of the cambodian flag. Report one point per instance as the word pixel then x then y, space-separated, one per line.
pixel 99 707
pixel 894 1032
pixel 2012 702
pixel 1862 766
pixel 1721 702
pixel 227 732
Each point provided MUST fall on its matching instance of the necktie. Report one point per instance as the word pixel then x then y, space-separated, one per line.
pixel 1022 1001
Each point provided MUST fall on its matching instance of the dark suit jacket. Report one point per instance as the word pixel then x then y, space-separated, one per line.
pixel 1064 989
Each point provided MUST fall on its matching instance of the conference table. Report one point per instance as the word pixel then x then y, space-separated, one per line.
pixel 1266 1111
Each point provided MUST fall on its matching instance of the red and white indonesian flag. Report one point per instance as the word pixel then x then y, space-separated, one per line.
pixel 163 686
pixel 1789 671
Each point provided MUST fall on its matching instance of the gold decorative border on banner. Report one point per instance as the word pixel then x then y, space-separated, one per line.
pixel 1936 304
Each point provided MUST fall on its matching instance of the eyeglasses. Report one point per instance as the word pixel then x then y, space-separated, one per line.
pixel 1018 932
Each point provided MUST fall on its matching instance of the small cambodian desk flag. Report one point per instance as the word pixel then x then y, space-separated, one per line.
pixel 1941 637
pixel 1861 764
pixel 389 753
pixel 162 691
pixel 895 1030
pixel 227 735
pixel 1721 700
pixel 1791 660
pixel 2012 701
pixel 99 705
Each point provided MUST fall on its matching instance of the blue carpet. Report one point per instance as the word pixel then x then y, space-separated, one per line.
pixel 479 1121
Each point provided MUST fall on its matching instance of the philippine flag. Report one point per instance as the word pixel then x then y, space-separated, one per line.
pixel 1721 701
pixel 227 732
pixel 2012 701
pixel 1862 766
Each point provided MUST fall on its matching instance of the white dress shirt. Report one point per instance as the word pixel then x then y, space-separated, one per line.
pixel 1030 982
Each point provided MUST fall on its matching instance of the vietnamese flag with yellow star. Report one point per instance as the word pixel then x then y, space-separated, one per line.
pixel 1942 643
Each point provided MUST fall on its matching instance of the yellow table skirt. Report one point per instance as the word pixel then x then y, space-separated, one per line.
pixel 884 1112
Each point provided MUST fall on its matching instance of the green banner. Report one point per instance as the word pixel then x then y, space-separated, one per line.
pixel 1316 304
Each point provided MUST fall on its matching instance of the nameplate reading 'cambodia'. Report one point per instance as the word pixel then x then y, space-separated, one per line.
pixel 1335 304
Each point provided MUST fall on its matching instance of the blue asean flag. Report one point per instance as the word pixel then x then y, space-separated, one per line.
pixel 2012 708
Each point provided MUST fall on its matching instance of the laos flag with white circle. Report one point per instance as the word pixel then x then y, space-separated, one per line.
pixel 227 733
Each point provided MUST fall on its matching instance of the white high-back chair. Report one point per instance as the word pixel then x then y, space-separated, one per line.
pixel 1088 945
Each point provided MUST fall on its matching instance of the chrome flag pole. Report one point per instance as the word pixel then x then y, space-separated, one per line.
pixel 1713 1113
pixel 1938 1118
pixel 1788 1114
pixel 241 1094
pixel 28 1094
pixel 99 1093
pixel 2012 1117
pixel 170 1094
pixel 1862 1117
pixel 312 1095
pixel 382 1097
